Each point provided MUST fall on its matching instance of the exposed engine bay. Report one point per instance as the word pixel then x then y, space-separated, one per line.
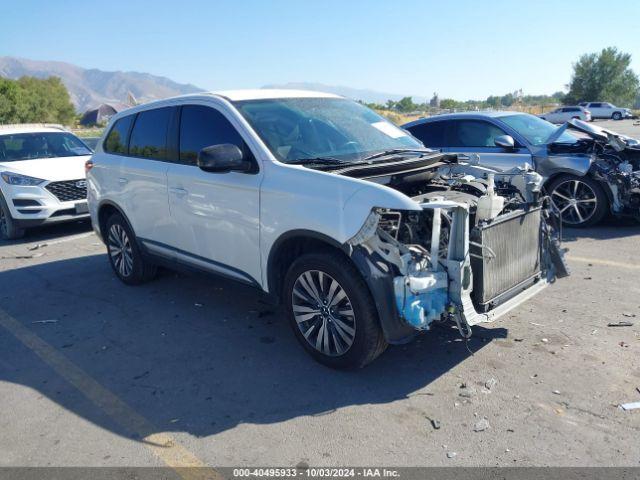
pixel 615 161
pixel 482 242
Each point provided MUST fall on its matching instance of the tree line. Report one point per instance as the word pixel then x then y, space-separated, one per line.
pixel 35 100
pixel 605 76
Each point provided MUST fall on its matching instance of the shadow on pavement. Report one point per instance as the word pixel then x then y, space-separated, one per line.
pixel 609 228
pixel 50 232
pixel 194 353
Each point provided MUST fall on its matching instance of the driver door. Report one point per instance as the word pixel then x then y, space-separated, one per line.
pixel 471 138
pixel 216 215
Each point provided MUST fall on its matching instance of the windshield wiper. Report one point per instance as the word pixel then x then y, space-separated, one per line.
pixel 395 151
pixel 317 161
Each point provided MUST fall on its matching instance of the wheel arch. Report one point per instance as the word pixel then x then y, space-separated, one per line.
pixel 105 210
pixel 291 245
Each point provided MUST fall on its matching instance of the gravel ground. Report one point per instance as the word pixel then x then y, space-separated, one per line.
pixel 195 370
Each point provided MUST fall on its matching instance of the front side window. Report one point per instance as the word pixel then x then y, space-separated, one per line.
pixel 27 146
pixel 202 127
pixel 302 130
pixel 116 141
pixel 474 133
pixel 149 134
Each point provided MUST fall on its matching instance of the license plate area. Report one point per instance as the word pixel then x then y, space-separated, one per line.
pixel 81 208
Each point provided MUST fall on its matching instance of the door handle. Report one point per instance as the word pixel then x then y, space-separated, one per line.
pixel 178 192
pixel 123 181
pixel 464 157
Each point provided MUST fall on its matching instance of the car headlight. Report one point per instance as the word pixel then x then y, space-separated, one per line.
pixel 22 180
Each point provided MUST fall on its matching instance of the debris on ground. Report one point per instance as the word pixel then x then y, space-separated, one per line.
pixel 481 425
pixel 37 246
pixel 467 391
pixel 627 314
pixel 46 321
pixel 489 384
pixel 620 324
pixel 593 332
pixel 537 324
pixel 435 423
pixel 630 406
pixel 556 392
pixel 198 305
pixel 518 339
pixel 451 454
pixel 545 340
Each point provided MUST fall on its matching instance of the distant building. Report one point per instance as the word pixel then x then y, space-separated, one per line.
pixel 435 101
pixel 102 114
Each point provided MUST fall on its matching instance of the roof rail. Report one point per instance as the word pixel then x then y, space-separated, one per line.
pixel 33 125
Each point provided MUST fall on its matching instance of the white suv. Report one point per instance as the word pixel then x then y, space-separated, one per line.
pixel 363 235
pixel 606 110
pixel 43 178
pixel 564 114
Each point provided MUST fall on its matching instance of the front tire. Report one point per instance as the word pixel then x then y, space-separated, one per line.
pixel 581 201
pixel 124 253
pixel 9 230
pixel 616 116
pixel 331 311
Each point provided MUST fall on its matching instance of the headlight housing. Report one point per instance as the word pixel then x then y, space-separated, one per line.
pixel 21 180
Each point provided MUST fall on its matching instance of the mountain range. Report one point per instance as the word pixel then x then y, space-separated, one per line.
pixel 89 88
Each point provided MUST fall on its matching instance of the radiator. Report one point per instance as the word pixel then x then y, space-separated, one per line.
pixel 514 239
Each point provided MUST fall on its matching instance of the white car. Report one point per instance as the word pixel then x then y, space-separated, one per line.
pixel 42 177
pixel 564 114
pixel 364 236
pixel 606 110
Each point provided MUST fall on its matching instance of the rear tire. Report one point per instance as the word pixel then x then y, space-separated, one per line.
pixel 582 201
pixel 9 230
pixel 125 256
pixel 331 311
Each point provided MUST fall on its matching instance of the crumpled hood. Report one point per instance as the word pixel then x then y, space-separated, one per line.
pixel 597 133
pixel 51 169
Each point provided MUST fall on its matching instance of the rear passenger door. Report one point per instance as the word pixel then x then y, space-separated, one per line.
pixel 142 179
pixel 476 137
pixel 431 134
pixel 216 215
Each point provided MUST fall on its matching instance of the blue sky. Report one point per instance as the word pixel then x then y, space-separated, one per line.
pixel 461 49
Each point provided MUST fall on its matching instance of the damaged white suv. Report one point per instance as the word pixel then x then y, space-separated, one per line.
pixel 364 236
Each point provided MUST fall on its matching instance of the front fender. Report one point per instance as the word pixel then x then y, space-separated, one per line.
pixel 551 165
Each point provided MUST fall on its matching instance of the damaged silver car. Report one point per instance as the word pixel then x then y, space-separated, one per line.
pixel 587 171
pixel 364 236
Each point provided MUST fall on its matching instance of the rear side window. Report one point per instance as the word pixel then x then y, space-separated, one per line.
pixel 116 141
pixel 432 134
pixel 201 127
pixel 595 105
pixel 149 134
pixel 474 133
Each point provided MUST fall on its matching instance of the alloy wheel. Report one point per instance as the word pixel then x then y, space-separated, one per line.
pixel 323 313
pixel 576 201
pixel 120 250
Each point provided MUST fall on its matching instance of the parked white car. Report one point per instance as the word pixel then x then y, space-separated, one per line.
pixel 364 236
pixel 43 178
pixel 606 110
pixel 564 114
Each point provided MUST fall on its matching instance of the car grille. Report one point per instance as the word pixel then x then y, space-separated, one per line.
pixel 515 241
pixel 69 190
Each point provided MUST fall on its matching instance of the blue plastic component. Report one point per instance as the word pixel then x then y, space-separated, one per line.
pixel 420 309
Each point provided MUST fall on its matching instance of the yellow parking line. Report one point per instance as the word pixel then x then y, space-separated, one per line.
pixel 163 445
pixel 609 263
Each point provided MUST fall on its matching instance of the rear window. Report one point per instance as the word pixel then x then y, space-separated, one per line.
pixel 116 141
pixel 149 134
pixel 432 134
pixel 26 146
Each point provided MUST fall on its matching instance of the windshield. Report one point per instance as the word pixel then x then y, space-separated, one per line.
pixel 303 130
pixel 536 130
pixel 27 146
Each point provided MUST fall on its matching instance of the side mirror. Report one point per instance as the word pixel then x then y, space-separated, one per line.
pixel 223 158
pixel 504 141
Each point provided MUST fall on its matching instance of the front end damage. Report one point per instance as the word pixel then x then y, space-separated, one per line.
pixel 615 162
pixel 482 244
